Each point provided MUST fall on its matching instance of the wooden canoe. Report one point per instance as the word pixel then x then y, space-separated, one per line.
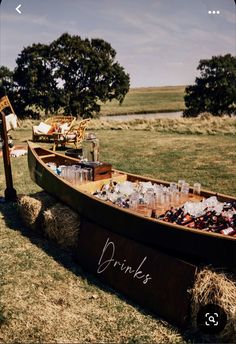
pixel 192 244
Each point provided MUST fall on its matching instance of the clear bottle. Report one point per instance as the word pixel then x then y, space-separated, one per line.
pixel 90 148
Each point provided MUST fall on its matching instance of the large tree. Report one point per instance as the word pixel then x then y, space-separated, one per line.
pixel 88 72
pixel 72 74
pixel 215 89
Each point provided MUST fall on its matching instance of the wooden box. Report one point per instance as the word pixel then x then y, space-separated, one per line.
pixel 100 170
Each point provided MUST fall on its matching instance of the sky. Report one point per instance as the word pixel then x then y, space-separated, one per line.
pixel 158 42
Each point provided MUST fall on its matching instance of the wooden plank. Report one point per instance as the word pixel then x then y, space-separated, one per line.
pixel 151 278
pixel 47 156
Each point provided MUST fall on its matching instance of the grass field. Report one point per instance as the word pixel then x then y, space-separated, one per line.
pixel 148 100
pixel 46 297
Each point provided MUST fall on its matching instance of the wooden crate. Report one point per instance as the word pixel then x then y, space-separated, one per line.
pixel 100 171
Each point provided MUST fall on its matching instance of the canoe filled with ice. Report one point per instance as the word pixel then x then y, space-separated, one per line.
pixel 154 212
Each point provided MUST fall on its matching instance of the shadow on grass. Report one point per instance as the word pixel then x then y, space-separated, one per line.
pixel 67 258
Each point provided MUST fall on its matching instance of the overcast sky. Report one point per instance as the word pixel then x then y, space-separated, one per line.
pixel 158 42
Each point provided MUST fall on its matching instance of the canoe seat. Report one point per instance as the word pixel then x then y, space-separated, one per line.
pixel 47 156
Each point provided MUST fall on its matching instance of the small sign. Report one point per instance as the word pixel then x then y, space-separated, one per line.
pixel 151 278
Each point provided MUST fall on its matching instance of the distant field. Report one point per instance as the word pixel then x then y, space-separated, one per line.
pixel 148 100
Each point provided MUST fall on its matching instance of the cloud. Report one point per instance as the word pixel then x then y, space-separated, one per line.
pixel 34 22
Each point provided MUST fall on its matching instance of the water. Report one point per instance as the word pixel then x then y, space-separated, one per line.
pixel 126 118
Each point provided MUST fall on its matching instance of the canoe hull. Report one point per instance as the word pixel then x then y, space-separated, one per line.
pixel 183 243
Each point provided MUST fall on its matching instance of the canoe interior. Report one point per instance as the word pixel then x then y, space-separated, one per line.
pixel 47 156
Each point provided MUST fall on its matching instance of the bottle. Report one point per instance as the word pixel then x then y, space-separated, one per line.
pixel 90 148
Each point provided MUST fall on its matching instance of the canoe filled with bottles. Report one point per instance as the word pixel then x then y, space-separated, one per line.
pixel 173 217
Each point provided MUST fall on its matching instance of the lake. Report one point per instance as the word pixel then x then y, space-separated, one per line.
pixel 126 118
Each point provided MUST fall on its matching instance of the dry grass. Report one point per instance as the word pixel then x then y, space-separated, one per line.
pixel 47 298
pixel 216 288
pixel 204 125
pixel 62 225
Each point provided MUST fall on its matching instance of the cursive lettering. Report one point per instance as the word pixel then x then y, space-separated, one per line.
pixel 107 259
pixel 102 266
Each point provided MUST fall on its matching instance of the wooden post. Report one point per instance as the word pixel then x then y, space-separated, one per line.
pixel 10 192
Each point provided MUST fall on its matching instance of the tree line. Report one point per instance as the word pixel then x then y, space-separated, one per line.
pixel 75 76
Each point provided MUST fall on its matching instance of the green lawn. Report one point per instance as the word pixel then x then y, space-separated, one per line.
pixel 148 100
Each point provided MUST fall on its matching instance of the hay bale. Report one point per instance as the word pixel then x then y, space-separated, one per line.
pixel 62 225
pixel 31 207
pixel 216 288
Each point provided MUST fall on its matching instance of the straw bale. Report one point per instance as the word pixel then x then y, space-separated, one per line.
pixel 31 207
pixel 216 288
pixel 62 225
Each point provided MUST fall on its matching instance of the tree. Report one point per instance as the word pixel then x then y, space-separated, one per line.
pixel 72 74
pixel 215 90
pixel 10 88
pixel 88 72
pixel 6 81
pixel 35 79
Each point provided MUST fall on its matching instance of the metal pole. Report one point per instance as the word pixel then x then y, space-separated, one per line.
pixel 10 192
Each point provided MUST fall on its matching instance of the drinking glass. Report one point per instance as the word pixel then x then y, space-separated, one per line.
pixel 71 174
pixel 173 187
pixel 149 198
pixel 60 169
pixel 64 170
pixel 85 174
pixel 166 201
pixel 197 189
pixel 177 199
pixel 180 183
pixel 184 192
pixel 160 202
pixel 134 201
pixel 78 176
